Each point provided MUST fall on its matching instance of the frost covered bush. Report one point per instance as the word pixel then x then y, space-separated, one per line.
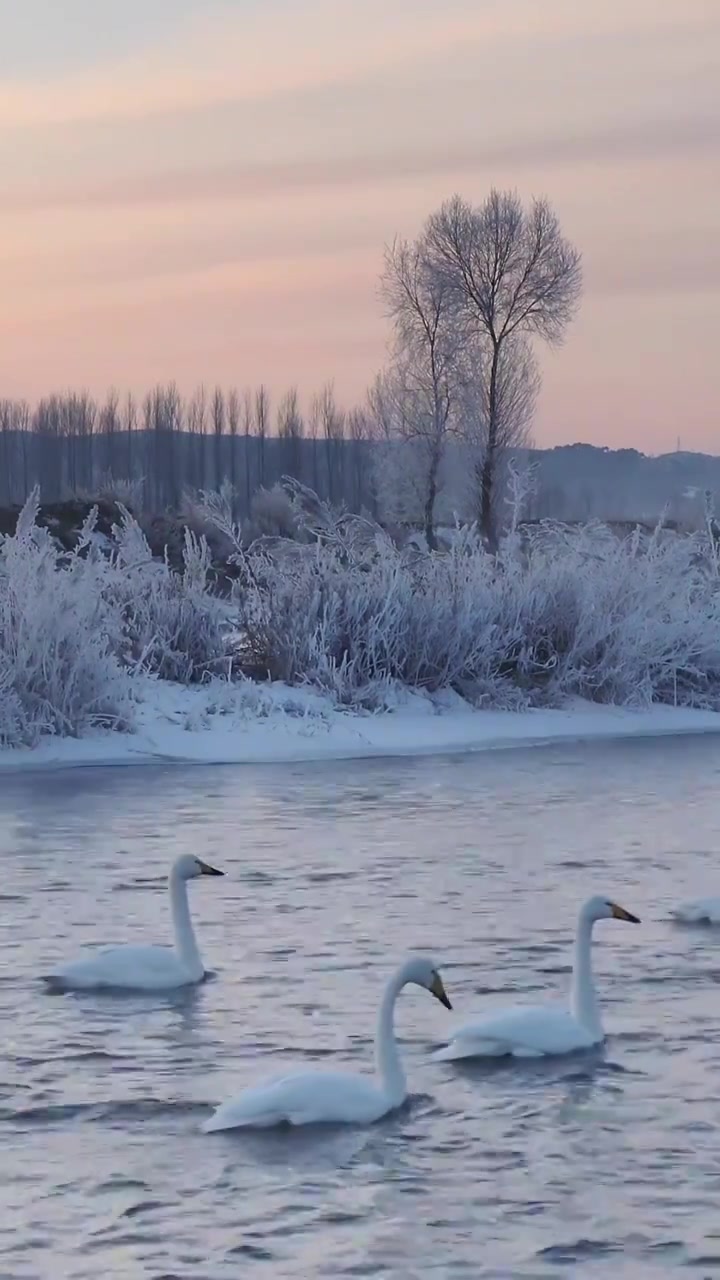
pixel 172 624
pixel 272 514
pixel 627 620
pixel 75 626
pixel 59 637
pixel 559 612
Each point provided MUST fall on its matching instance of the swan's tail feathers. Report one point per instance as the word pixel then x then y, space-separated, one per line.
pixel 221 1121
pixel 462 1048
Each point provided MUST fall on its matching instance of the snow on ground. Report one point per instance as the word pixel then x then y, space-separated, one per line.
pixel 252 724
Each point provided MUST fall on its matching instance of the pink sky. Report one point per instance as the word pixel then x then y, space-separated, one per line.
pixel 204 195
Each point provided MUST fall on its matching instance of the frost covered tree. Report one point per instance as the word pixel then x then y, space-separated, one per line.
pixel 516 389
pixel 420 388
pixel 512 275
pixel 406 460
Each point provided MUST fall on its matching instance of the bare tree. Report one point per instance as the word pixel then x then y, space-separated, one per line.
pixel 522 485
pixel 380 407
pixel 517 383
pixel 420 301
pixel 290 430
pixel 402 461
pixel 262 425
pixel 359 434
pixel 109 427
pixel 197 422
pixel 218 422
pixel 14 419
pixel 312 430
pixel 247 436
pixel 162 413
pixel 233 422
pixel 331 422
pixel 512 273
pixel 130 426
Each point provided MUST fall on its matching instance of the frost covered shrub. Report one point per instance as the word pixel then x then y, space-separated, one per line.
pixel 172 624
pixel 76 625
pixel 59 637
pixel 563 612
pixel 630 620
pixel 272 514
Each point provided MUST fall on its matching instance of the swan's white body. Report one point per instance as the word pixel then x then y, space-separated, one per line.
pixel 537 1031
pixel 335 1097
pixel 133 968
pixel 700 911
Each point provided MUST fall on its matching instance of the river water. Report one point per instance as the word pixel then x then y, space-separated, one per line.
pixel 595 1165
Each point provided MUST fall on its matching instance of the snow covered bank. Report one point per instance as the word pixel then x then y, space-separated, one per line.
pixel 108 655
pixel 250 724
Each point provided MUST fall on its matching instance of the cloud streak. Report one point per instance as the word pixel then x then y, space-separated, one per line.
pixel 227 57
pixel 638 141
pixel 237 169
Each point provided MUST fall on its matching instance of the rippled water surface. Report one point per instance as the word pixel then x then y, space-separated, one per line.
pixel 600 1165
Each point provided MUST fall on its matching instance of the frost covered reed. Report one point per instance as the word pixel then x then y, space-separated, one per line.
pixel 558 613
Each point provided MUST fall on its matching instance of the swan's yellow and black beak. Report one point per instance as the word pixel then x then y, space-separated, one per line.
pixel 619 913
pixel 438 990
pixel 207 870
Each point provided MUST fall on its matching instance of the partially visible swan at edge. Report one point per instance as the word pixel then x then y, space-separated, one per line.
pixel 336 1097
pixel 133 968
pixel 699 911
pixel 535 1031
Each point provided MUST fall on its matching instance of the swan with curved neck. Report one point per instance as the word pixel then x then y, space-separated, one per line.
pixel 533 1032
pixel 334 1097
pixel 134 968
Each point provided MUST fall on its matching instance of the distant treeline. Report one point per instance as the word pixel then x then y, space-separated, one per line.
pixel 164 445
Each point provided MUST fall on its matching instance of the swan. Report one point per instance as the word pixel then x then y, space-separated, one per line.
pixel 336 1097
pixel 699 911
pixel 145 968
pixel 534 1031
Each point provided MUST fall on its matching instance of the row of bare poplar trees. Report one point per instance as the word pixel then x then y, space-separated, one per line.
pixel 165 444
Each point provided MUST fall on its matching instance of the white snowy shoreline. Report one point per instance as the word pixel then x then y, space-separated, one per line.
pixel 276 725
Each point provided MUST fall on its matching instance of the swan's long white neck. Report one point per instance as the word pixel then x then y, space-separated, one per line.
pixel 185 943
pixel 386 1050
pixel 583 999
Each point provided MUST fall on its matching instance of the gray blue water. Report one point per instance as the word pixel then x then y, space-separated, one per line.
pixel 603 1165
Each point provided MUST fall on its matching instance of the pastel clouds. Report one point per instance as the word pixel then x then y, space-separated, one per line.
pixel 213 203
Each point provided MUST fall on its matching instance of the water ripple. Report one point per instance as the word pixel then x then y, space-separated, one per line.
pixel 596 1164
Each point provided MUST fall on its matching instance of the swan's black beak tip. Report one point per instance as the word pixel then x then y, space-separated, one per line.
pixel 621 914
pixel 207 870
pixel 438 990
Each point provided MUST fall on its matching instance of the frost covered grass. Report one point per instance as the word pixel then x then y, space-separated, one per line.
pixel 557 614
pixel 77 627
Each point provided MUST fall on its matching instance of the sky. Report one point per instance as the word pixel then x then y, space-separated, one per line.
pixel 200 190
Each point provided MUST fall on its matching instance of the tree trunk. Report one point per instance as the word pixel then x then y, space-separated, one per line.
pixel 430 511
pixel 487 479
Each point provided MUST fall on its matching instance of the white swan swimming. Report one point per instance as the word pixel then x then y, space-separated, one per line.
pixel 534 1031
pixel 335 1097
pixel 699 911
pixel 145 968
